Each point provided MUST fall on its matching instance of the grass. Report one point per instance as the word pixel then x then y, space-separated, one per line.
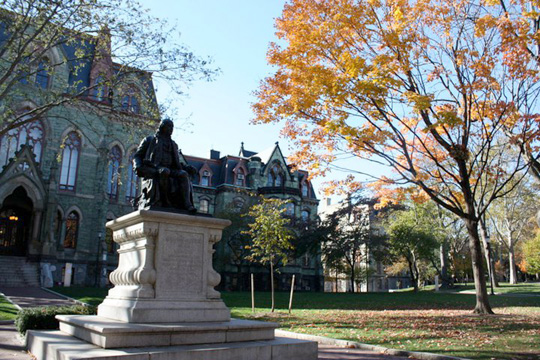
pixel 7 310
pixel 425 321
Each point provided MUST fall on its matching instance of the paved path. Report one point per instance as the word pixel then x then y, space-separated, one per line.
pixel 12 346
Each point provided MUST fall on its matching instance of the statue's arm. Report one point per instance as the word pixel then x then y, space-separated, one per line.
pixel 142 168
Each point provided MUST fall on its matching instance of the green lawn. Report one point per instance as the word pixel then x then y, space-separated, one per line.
pixel 7 310
pixel 425 321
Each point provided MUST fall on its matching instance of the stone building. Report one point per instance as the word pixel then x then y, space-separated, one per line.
pixel 65 174
pixel 373 277
pixel 228 184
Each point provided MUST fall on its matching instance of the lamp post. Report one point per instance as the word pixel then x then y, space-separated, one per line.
pixel 96 282
pixel 490 262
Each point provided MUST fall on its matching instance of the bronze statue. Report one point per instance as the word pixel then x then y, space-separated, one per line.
pixel 165 180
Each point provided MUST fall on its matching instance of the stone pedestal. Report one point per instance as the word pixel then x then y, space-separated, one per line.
pixel 165 272
pixel 164 305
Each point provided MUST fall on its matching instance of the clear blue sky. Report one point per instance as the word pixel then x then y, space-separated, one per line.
pixel 236 34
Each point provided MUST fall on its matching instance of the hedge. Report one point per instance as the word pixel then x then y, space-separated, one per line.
pixel 43 318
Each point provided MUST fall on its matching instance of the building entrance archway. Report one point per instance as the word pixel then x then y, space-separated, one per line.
pixel 16 223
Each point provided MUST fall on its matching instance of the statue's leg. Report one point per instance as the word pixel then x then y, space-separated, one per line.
pixel 185 196
pixel 164 191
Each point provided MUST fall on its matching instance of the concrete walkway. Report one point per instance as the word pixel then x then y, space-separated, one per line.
pixel 12 346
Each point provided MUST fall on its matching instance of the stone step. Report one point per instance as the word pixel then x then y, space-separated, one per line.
pixel 109 333
pixel 57 345
pixel 18 272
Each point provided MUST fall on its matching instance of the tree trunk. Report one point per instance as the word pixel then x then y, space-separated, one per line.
pixel 482 301
pixel 353 278
pixel 512 265
pixel 272 284
pixel 413 277
pixel 446 282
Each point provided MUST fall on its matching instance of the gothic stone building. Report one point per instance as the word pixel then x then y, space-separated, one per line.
pixel 64 175
pixel 231 184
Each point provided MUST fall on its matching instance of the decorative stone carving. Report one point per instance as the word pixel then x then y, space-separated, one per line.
pixel 165 272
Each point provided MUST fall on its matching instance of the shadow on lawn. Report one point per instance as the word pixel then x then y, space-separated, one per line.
pixel 375 301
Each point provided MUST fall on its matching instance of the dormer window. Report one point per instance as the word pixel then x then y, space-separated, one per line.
pixel 279 180
pixel 205 178
pixel 305 189
pixel 275 177
pixel 240 179
pixel 98 90
pixel 130 103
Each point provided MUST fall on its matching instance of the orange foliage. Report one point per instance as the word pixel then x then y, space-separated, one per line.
pixel 433 89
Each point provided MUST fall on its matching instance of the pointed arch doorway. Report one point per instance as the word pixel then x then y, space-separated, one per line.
pixel 15 223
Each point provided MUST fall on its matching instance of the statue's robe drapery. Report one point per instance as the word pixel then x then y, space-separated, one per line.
pixel 146 163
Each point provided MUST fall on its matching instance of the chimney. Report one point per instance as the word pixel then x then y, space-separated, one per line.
pixel 214 155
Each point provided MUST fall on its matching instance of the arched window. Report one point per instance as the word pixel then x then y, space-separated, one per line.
pixel 72 230
pixel 204 206
pixel 42 74
pixel 24 70
pixel 290 209
pixel 130 102
pixel 30 133
pixel 305 215
pixel 205 178
pixel 279 180
pixel 113 178
pixel 98 90
pixel 240 177
pixel 132 185
pixel 270 181
pixel 70 161
pixel 275 176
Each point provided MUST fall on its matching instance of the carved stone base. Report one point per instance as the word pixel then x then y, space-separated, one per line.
pixel 163 311
pixel 165 269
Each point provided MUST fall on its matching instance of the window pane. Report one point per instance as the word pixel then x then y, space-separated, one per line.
pixel 70 161
pixel 42 75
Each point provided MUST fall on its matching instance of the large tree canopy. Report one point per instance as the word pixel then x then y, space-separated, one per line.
pixel 44 38
pixel 436 90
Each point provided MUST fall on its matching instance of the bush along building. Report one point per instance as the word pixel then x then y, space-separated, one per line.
pixel 64 173
pixel 226 186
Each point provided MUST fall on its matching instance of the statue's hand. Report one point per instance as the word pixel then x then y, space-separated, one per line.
pixel 164 172
pixel 191 170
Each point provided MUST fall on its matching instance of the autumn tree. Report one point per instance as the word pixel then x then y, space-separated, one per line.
pixel 270 235
pixel 428 88
pixel 42 37
pixel 531 255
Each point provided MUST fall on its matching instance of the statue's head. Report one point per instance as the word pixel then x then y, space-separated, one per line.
pixel 166 127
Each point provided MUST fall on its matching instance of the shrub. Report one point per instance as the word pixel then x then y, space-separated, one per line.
pixel 43 318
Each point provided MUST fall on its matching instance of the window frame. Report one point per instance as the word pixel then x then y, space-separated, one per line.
pixel 69 147
pixel 113 172
pixel 77 222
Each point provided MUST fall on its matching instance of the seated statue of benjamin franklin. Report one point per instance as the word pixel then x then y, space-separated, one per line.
pixel 165 180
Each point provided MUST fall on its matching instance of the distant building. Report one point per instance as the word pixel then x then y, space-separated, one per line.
pixel 231 183
pixel 373 277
